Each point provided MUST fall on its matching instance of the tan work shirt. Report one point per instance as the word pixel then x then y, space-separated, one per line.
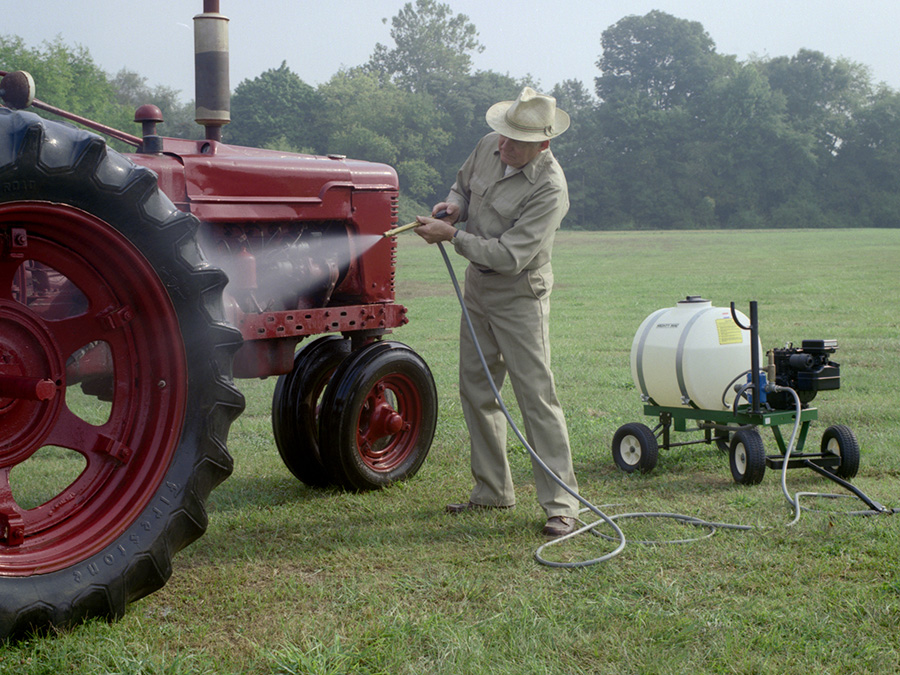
pixel 511 220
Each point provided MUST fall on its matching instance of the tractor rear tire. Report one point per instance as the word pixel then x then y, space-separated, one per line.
pixel 70 205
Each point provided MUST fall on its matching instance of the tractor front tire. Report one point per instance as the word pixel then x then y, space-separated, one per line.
pixel 378 417
pixel 296 402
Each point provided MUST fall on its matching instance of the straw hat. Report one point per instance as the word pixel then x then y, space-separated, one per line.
pixel 531 117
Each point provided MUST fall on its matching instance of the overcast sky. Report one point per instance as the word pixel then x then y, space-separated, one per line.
pixel 553 40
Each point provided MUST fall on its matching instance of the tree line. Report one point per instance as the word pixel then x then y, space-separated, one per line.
pixel 672 135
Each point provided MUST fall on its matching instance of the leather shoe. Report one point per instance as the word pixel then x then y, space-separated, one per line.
pixel 558 526
pixel 472 506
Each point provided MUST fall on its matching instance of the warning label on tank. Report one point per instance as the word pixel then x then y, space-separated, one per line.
pixel 729 332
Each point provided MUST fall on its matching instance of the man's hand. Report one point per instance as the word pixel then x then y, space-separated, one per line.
pixel 433 230
pixel 450 212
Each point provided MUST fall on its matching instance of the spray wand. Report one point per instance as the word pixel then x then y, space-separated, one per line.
pixel 403 228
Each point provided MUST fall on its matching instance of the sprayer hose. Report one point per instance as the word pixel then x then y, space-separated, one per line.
pixel 611 520
pixel 620 537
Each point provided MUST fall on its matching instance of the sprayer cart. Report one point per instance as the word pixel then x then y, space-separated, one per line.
pixel 698 370
pixel 636 446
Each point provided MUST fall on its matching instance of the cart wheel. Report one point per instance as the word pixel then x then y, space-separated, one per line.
pixel 634 447
pixel 841 441
pixel 723 440
pixel 720 437
pixel 748 458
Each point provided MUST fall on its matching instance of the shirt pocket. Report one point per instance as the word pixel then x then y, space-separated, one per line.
pixel 477 190
pixel 507 204
pixel 507 211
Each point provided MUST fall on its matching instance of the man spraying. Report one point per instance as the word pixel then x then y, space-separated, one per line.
pixel 512 195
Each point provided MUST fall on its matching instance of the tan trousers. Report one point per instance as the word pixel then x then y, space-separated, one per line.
pixel 511 320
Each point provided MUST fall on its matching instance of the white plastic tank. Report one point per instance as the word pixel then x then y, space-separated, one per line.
pixel 691 355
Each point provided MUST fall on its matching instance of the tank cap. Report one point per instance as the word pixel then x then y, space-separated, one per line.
pixel 693 298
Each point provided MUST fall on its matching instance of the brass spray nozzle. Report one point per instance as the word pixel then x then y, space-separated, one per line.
pixel 402 228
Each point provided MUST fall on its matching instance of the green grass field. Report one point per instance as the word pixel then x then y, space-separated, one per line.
pixel 294 580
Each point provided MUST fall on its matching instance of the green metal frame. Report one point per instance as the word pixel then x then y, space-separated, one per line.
pixel 677 418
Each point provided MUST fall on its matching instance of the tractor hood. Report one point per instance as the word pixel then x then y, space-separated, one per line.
pixel 222 183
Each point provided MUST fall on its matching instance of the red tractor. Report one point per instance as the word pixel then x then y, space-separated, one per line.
pixel 120 336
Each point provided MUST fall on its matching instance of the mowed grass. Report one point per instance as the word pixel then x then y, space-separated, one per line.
pixel 290 579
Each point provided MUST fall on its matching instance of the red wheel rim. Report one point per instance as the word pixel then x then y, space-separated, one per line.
pixel 388 427
pixel 125 306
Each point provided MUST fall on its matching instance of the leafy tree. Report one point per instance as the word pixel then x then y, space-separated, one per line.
pixel 432 52
pixel 757 161
pixel 573 97
pixel 645 167
pixel 821 94
pixel 418 179
pixel 374 120
pixel 680 136
pixel 657 56
pixel 690 138
pixel 577 149
pixel 465 118
pixel 645 163
pixel 276 108
pixel 866 171
pixel 68 78
pixel 432 57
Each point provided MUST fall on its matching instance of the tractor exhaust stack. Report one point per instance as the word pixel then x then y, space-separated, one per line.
pixel 213 94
